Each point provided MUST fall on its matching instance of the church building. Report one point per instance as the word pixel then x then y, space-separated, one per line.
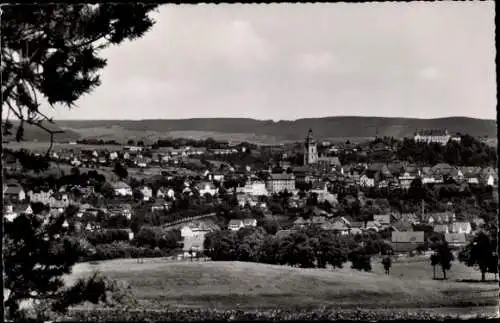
pixel 310 150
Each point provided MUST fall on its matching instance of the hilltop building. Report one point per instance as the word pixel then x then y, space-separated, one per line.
pixel 440 136
pixel 310 150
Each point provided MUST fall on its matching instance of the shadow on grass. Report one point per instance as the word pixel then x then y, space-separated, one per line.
pixel 490 281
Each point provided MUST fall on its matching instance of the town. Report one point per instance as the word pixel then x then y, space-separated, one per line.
pixel 167 199
pixel 245 162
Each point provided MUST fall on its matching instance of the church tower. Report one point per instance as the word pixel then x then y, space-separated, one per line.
pixel 310 150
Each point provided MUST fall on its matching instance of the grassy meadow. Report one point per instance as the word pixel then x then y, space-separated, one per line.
pixel 162 284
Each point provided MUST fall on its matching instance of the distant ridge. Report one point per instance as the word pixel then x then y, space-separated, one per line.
pixel 325 127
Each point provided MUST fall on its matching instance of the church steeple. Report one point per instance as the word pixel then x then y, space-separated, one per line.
pixel 310 149
pixel 310 138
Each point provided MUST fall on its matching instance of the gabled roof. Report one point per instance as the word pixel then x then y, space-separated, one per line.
pixel 13 190
pixel 120 185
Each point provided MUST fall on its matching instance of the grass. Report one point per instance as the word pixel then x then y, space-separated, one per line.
pixel 229 285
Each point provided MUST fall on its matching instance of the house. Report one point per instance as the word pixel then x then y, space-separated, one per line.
pixel 382 219
pixel 373 225
pixel 439 218
pixel 14 193
pixel 440 136
pixel 405 180
pixel 207 188
pixel 461 227
pixel 456 239
pixel 193 235
pixel 442 169
pixel 276 183
pixel 242 200
pixel 122 189
pixel 321 190
pixel 253 188
pixel 403 241
pixel 369 178
pixel 490 180
pixel 165 192
pixel 329 162
pixel 147 193
pixel 160 205
pixel 441 228
pixel 341 225
pixel 216 177
pixel 237 224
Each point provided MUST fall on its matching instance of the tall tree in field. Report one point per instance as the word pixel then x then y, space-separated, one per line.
pixel 387 263
pixel 443 257
pixel 50 53
pixel 480 253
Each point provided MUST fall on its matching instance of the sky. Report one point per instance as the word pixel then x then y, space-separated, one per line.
pixel 290 61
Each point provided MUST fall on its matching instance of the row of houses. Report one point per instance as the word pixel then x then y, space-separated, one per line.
pixel 380 176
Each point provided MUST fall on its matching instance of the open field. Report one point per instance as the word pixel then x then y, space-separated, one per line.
pixel 229 285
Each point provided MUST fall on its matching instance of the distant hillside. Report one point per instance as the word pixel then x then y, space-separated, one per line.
pixel 267 131
pixel 34 133
pixel 329 127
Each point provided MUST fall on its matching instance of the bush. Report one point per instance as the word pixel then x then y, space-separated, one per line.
pixel 107 236
pixel 117 250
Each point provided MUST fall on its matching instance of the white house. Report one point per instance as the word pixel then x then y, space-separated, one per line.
pixel 461 227
pixel 14 192
pixel 122 189
pixel 366 181
pixel 235 225
pixel 206 188
pixel 490 180
pixel 254 188
pixel 9 213
pixel 147 193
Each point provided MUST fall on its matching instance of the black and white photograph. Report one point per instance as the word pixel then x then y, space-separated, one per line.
pixel 234 162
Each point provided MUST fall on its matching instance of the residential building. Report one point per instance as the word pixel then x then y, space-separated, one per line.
pixel 14 193
pixel 456 239
pixel 382 219
pixel 404 241
pixel 280 182
pixel 461 227
pixel 442 228
pixel 440 136
pixel 341 225
pixel 439 218
pixel 405 180
pixel 237 224
pixel 206 188
pixel 122 189
pixel 254 188
pixel 310 149
pixel 147 193
pixel 328 163
pixel 369 178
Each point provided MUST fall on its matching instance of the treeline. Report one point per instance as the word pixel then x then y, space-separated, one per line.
pixel 93 141
pixel 177 143
pixel 115 243
pixel 305 248
pixel 28 160
pixel 468 152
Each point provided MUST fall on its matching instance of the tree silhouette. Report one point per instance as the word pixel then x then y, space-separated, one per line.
pixel 443 257
pixel 480 253
pixel 387 263
pixel 52 52
pixel 120 171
